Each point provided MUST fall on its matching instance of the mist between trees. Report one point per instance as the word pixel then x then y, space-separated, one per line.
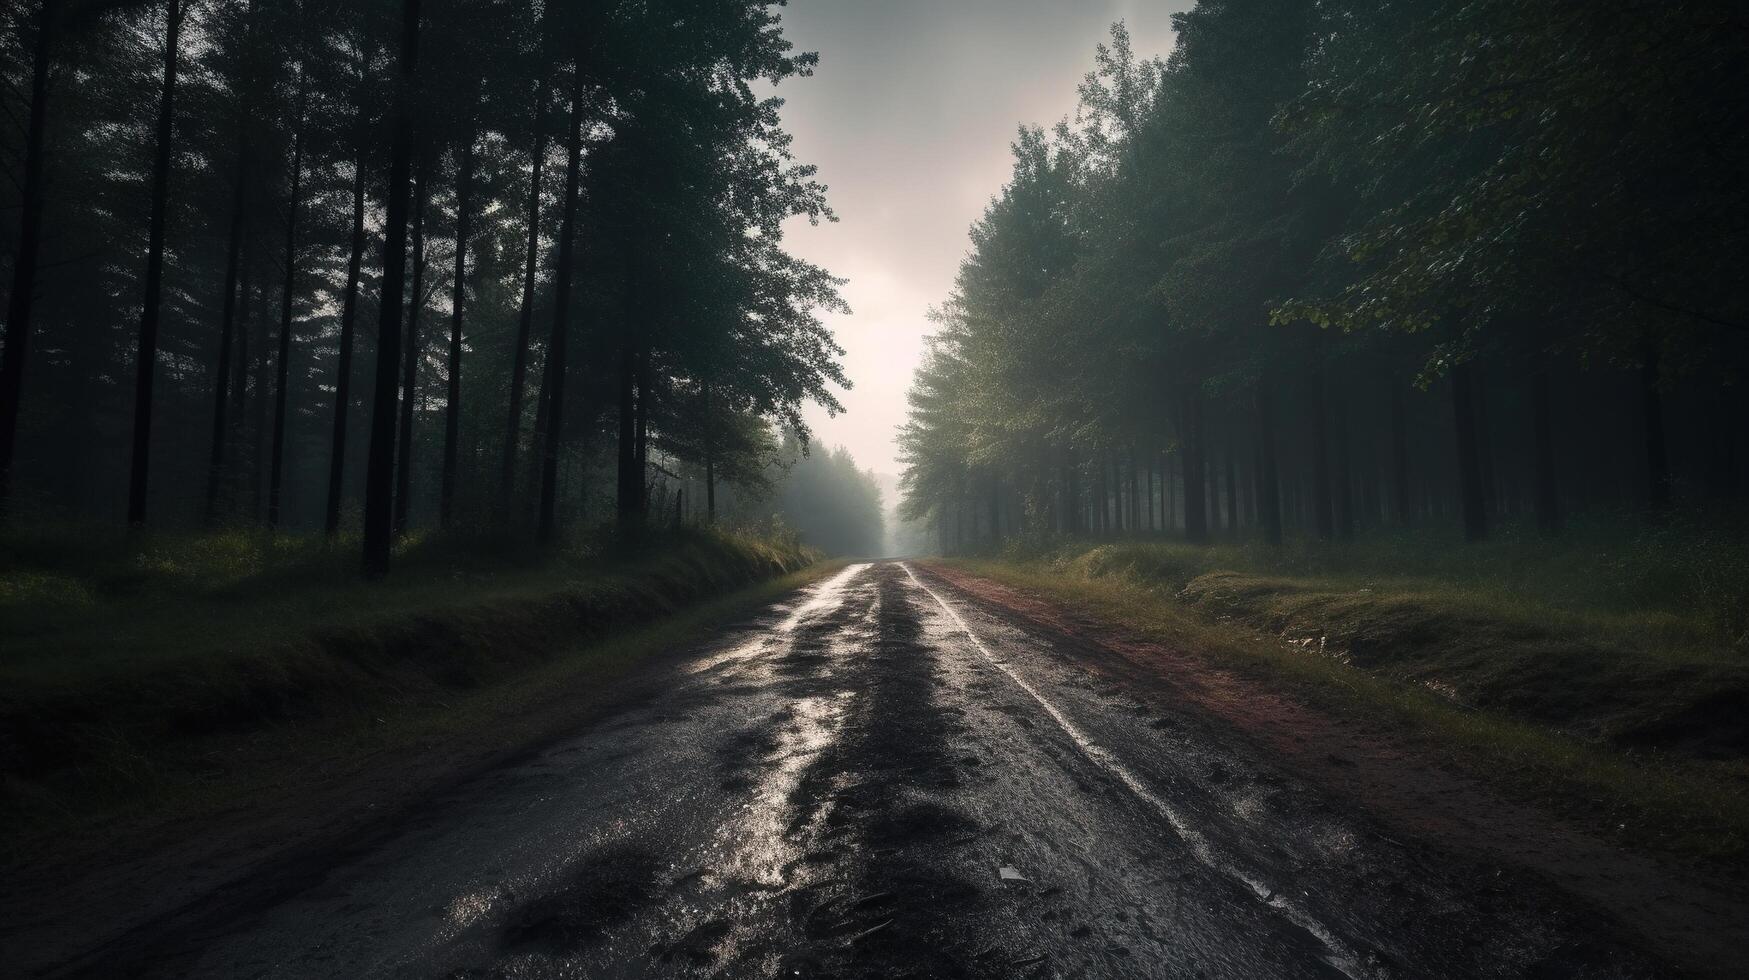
pixel 1336 265
pixel 496 265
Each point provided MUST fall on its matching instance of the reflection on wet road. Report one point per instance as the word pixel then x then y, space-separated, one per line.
pixel 835 790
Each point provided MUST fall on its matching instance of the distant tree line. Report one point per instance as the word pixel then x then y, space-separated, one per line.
pixel 830 503
pixel 1345 263
pixel 497 264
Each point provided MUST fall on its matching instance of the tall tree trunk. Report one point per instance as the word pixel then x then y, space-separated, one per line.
pixel 1548 503
pixel 525 318
pixel 1164 464
pixel 1069 522
pixel 343 368
pixel 146 359
pixel 645 397
pixel 410 351
pixel 240 385
pixel 1114 478
pixel 25 259
pixel 555 373
pixel 227 326
pixel 1135 492
pixel 1400 454
pixel 1268 478
pixel 1652 410
pixel 258 417
pixel 1173 462
pixel 1470 493
pixel 1344 467
pixel 1232 488
pixel 995 510
pixel 1322 504
pixel 1148 496
pixel 1196 518
pixel 538 439
pixel 1485 444
pixel 710 457
pixel 626 488
pixel 453 400
pixel 380 471
pixel 276 480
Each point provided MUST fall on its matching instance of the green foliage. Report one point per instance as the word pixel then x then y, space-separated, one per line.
pixel 1237 258
pixel 687 181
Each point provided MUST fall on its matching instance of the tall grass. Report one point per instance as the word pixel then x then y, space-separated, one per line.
pixel 76 596
pixel 1687 575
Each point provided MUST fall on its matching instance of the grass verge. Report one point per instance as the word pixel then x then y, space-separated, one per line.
pixel 1633 730
pixel 231 686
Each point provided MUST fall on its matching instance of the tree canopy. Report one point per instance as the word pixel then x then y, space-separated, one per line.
pixel 581 209
pixel 1332 264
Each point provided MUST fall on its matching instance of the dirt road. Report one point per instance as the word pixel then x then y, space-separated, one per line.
pixel 885 777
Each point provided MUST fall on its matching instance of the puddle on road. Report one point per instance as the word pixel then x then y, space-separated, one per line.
pixel 824 597
pixel 753 846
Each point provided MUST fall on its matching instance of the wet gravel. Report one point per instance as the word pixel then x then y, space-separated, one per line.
pixel 833 790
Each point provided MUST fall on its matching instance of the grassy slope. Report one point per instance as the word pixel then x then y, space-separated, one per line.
pixel 177 672
pixel 1604 674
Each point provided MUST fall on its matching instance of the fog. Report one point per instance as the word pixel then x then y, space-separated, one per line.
pixel 909 118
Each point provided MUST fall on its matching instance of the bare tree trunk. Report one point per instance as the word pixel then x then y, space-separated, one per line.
pixel 285 315
pixel 146 359
pixel 626 489
pixel 25 259
pixel 343 369
pixel 227 327
pixel 710 456
pixel 1344 467
pixel 1232 489
pixel 1322 505
pixel 1196 520
pixel 1652 410
pixel 645 396
pixel 410 352
pixel 1471 495
pixel 1548 503
pixel 1171 504
pixel 525 320
pixel 379 476
pixel 995 510
pixel 240 385
pixel 1400 454
pixel 555 373
pixel 453 400
pixel 1268 479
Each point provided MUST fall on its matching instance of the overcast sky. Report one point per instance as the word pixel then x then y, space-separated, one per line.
pixel 909 118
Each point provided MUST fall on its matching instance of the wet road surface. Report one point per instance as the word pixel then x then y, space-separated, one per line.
pixel 834 790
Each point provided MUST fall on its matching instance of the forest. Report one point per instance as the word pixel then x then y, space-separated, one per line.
pixel 436 539
pixel 1348 265
pixel 369 269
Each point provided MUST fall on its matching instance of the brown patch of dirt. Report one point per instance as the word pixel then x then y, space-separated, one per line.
pixel 1694 918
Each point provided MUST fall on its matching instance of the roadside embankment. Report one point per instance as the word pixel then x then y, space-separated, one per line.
pixel 182 674
pixel 1626 710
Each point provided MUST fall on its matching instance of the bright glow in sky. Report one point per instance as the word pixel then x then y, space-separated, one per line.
pixel 909 118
